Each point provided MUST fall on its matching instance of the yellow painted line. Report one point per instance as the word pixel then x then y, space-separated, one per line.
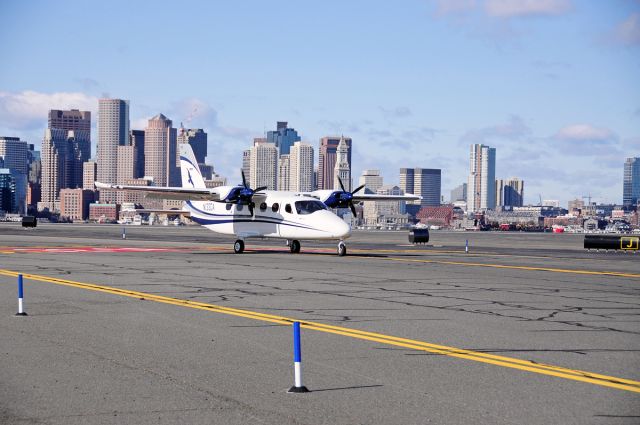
pixel 514 363
pixel 504 266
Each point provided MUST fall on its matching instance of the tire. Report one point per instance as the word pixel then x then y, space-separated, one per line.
pixel 342 249
pixel 238 246
pixel 294 246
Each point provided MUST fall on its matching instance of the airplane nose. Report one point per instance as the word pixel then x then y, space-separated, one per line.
pixel 342 230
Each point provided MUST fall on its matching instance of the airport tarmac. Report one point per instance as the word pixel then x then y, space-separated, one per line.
pixel 170 326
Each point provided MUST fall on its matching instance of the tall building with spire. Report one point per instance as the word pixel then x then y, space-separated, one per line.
pixel 342 168
pixel 327 160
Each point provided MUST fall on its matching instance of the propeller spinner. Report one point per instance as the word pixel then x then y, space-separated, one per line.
pixel 343 199
pixel 244 195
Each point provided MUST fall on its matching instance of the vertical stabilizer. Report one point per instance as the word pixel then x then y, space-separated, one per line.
pixel 191 176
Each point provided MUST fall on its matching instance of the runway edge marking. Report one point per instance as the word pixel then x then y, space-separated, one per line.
pixel 514 363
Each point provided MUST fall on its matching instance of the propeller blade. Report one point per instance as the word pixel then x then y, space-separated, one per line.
pixel 341 185
pixel 353 209
pixel 251 205
pixel 260 189
pixel 358 189
pixel 244 181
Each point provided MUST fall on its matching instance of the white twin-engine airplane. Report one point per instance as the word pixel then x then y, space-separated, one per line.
pixel 259 213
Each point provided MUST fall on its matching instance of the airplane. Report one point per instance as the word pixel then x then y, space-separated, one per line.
pixel 259 213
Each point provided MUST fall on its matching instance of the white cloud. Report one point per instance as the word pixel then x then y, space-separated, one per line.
pixel 397 112
pixel 28 110
pixel 523 8
pixel 513 130
pixel 585 133
pixel 628 31
pixel 452 7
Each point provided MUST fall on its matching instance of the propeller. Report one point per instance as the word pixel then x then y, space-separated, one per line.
pixel 244 195
pixel 343 199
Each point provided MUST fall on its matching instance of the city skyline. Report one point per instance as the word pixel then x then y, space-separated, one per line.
pixel 551 88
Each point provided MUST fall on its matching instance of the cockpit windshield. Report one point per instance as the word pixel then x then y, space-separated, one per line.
pixel 309 207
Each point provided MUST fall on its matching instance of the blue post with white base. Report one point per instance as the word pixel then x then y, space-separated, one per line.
pixel 466 246
pixel 297 362
pixel 124 233
pixel 21 311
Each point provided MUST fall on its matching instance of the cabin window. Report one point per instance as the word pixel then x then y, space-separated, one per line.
pixel 309 207
pixel 275 207
pixel 228 207
pixel 288 209
pixel 239 207
pixel 263 206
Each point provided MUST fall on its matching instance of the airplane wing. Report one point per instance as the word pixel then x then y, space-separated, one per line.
pixel 167 212
pixel 177 193
pixel 376 197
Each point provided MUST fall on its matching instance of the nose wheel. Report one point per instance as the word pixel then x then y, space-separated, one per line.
pixel 294 246
pixel 342 249
pixel 238 246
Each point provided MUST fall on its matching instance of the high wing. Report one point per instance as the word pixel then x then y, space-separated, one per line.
pixel 327 196
pixel 376 197
pixel 163 212
pixel 177 193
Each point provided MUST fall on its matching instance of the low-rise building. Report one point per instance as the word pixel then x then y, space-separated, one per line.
pixel 104 213
pixel 74 203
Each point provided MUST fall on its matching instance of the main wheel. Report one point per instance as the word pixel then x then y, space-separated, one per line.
pixel 238 247
pixel 294 246
pixel 342 249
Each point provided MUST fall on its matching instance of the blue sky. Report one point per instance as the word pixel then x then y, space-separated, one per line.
pixel 552 84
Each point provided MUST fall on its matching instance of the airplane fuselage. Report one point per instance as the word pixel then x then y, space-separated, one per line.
pixel 284 215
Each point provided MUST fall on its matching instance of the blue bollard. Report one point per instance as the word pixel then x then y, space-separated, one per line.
pixel 297 362
pixel 21 311
pixel 466 246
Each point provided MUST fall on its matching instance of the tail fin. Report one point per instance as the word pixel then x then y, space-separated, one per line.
pixel 191 176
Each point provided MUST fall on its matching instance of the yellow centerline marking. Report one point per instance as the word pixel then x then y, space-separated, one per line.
pixel 504 266
pixel 514 363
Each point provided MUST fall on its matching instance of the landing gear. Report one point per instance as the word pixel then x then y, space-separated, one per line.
pixel 238 247
pixel 294 246
pixel 342 249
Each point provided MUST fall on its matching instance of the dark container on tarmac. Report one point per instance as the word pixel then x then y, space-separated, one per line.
pixel 29 221
pixel 623 242
pixel 419 236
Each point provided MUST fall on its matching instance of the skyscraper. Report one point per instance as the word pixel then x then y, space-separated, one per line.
pixel 56 168
pixel 77 125
pixel 264 166
pixel 372 180
pixel 160 144
pixel 13 152
pixel 283 137
pixel 631 182
pixel 342 168
pixel 136 139
pixel 481 192
pixel 197 138
pixel 301 160
pixel 425 182
pixel 246 162
pixel 284 172
pixel 327 160
pixel 459 193
pixel 509 192
pixel 89 172
pixel 113 131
